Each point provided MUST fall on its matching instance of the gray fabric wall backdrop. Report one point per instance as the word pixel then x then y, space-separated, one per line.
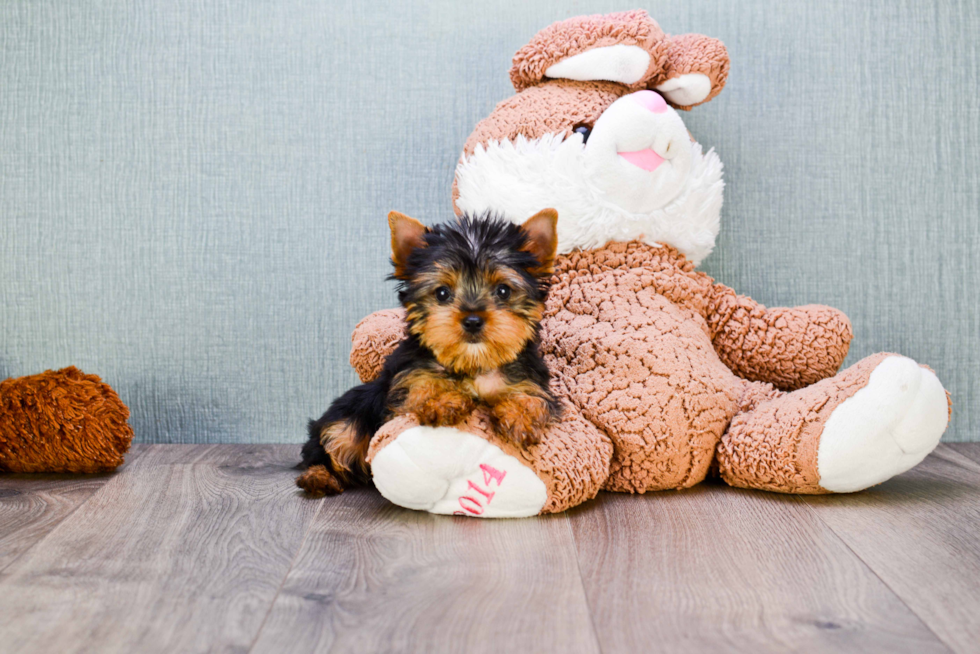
pixel 193 195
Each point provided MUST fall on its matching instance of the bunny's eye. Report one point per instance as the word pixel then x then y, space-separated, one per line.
pixel 584 131
pixel 443 294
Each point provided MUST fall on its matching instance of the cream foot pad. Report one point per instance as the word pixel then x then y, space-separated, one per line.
pixel 884 429
pixel 451 472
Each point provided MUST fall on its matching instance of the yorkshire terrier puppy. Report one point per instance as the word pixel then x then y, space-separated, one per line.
pixel 473 292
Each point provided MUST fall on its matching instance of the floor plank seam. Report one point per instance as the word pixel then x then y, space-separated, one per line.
pixel 63 519
pixel 581 581
pixel 47 535
pixel 285 577
pixel 874 572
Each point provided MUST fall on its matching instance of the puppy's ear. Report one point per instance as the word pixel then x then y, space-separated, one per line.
pixel 542 239
pixel 406 235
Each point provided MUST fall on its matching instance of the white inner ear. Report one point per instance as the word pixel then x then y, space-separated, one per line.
pixel 687 89
pixel 625 64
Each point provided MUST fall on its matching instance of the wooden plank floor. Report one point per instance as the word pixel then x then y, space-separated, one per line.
pixel 211 548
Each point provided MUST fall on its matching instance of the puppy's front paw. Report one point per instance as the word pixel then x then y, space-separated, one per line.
pixel 521 418
pixel 444 409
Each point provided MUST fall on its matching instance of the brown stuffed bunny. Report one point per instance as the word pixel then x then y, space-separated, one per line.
pixel 664 374
pixel 61 421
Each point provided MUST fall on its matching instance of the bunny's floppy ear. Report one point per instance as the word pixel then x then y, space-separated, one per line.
pixel 627 47
pixel 696 70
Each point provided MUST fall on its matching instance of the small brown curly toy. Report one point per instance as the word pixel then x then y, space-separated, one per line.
pixel 61 421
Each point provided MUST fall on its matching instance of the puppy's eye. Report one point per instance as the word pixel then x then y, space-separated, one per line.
pixel 502 292
pixel 443 294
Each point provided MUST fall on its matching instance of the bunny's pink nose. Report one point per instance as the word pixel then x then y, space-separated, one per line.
pixel 651 100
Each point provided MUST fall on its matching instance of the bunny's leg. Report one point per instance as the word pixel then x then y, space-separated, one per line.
pixel 877 419
pixel 470 471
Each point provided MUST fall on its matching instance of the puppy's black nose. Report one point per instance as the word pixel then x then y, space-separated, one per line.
pixel 473 323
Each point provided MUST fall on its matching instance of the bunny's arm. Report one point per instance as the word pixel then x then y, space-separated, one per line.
pixel 787 347
pixel 374 338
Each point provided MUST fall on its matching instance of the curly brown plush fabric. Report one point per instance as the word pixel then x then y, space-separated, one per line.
pixel 625 334
pixel 773 446
pixel 374 338
pixel 762 344
pixel 555 107
pixel 670 56
pixel 629 333
pixel 695 53
pixel 576 35
pixel 61 421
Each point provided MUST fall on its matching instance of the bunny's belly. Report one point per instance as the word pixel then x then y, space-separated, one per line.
pixel 642 368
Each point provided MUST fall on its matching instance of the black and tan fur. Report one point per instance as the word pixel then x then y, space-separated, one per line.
pixel 473 292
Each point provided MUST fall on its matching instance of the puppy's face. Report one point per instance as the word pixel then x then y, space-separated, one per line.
pixel 474 290
pixel 474 317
